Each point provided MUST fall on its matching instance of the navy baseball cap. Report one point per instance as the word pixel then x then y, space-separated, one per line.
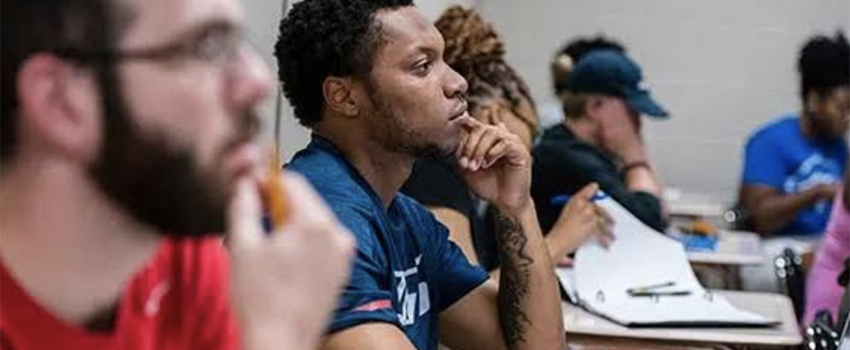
pixel 610 72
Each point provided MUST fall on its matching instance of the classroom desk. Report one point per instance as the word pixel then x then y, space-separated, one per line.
pixel 733 248
pixel 721 268
pixel 707 210
pixel 587 329
pixel 694 205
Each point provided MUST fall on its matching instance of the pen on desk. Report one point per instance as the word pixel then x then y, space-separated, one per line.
pixel 564 198
pixel 658 294
pixel 650 288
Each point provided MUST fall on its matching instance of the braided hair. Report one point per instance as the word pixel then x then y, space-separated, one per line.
pixel 476 51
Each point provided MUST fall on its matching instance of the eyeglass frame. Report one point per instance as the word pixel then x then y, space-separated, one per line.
pixel 199 47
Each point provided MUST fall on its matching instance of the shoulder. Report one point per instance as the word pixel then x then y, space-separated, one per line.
pixel 557 142
pixel 415 211
pixel 566 153
pixel 777 131
pixel 325 172
pixel 555 135
pixel 335 184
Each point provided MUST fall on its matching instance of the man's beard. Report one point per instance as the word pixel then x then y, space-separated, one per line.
pixel 154 180
pixel 401 138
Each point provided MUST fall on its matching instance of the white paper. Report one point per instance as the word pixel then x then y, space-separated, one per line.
pixel 565 276
pixel 640 256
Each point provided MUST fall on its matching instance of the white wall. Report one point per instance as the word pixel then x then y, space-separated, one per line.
pixel 722 67
pixel 262 17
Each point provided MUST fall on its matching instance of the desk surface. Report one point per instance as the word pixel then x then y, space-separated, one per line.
pixel 580 322
pixel 695 205
pixel 733 248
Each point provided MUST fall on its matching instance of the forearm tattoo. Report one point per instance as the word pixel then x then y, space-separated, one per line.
pixel 515 279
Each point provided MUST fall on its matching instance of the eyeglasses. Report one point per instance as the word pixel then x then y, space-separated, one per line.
pixel 217 45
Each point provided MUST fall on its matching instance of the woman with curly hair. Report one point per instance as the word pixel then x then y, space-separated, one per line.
pixel 497 95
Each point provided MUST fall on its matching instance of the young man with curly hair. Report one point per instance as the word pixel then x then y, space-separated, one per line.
pixel 368 77
pixel 497 94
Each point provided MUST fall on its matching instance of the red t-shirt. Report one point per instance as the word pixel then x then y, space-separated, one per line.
pixel 178 300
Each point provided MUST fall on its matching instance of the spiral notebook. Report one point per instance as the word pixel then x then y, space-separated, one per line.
pixel 641 257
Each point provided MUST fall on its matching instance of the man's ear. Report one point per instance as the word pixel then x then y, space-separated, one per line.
pixel 59 108
pixel 340 96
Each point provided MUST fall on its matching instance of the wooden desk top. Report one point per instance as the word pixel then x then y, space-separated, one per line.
pixel 577 321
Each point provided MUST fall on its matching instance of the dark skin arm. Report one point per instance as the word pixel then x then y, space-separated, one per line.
pixel 579 221
pixel 496 166
pixel 770 210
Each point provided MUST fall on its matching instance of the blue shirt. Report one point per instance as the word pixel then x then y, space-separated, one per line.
pixel 406 270
pixel 780 156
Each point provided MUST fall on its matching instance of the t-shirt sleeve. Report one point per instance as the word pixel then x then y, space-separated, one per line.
pixel 435 184
pixel 366 298
pixel 763 164
pixel 453 275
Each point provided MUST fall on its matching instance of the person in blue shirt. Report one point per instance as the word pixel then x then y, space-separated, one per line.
pixel 793 166
pixel 368 78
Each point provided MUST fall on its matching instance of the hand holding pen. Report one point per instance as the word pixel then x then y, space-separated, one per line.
pixel 270 290
pixel 579 221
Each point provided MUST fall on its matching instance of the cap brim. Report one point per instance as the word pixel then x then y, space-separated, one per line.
pixel 644 104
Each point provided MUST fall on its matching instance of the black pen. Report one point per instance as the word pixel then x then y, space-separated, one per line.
pixel 659 294
pixel 651 287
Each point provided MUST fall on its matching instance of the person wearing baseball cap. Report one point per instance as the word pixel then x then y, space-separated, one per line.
pixel 600 140
pixel 562 63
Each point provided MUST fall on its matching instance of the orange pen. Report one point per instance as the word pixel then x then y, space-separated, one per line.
pixel 274 193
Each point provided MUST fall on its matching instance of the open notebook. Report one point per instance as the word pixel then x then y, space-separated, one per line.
pixel 641 256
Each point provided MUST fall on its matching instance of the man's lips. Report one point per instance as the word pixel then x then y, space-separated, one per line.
pixel 458 117
pixel 459 111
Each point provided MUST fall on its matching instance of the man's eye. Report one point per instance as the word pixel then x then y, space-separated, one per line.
pixel 213 45
pixel 422 68
pixel 209 47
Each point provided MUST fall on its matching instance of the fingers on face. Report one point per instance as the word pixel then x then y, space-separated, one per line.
pixel 481 146
pixel 497 151
pixel 473 139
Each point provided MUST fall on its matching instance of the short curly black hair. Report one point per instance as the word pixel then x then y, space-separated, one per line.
pixel 321 38
pixel 824 63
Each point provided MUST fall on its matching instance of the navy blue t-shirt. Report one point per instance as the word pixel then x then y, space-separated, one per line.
pixel 779 156
pixel 406 270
